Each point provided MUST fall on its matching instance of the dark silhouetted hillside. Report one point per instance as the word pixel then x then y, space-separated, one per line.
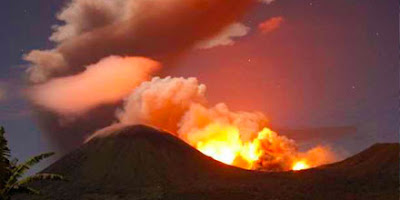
pixel 139 162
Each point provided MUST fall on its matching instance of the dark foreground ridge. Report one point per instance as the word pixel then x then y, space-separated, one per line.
pixel 139 162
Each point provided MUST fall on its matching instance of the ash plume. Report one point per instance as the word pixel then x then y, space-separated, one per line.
pixel 162 102
pixel 179 106
pixel 159 29
pixel 95 29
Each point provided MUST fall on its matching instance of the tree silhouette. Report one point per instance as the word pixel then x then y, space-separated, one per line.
pixel 11 173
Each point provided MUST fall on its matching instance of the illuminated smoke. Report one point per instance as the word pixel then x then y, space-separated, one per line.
pixel 106 82
pixel 162 102
pixel 225 37
pixel 271 24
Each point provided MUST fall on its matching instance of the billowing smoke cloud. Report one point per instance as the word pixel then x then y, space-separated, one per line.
pixel 159 29
pixel 106 82
pixel 82 16
pixel 271 24
pixel 47 63
pixel 162 102
pixel 225 37
pixel 179 106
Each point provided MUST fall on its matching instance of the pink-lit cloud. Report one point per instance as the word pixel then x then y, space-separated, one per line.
pixel 108 81
pixel 271 24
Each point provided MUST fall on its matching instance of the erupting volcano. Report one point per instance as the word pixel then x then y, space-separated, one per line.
pixel 199 99
pixel 96 63
pixel 241 139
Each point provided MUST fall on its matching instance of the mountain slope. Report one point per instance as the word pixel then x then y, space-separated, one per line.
pixel 139 162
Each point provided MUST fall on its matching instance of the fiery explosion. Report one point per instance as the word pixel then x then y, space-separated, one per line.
pixel 300 165
pixel 223 143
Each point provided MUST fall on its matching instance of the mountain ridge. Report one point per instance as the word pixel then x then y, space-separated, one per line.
pixel 139 162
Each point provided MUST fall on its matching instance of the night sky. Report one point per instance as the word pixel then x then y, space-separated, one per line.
pixel 329 63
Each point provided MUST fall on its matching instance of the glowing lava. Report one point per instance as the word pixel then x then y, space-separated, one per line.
pixel 301 165
pixel 223 143
pixel 266 151
pixel 224 146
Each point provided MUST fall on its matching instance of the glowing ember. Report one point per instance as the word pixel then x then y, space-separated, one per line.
pixel 301 165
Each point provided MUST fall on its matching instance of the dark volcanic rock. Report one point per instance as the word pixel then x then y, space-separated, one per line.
pixel 139 162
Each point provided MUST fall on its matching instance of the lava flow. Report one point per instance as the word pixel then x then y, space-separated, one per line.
pixel 300 165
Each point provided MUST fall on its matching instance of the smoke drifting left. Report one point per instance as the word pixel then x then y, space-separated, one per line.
pixel 95 29
pixel 106 82
pixel 159 29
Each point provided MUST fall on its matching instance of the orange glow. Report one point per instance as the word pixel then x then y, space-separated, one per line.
pixel 223 143
pixel 105 82
pixel 225 146
pixel 267 151
pixel 271 24
pixel 301 165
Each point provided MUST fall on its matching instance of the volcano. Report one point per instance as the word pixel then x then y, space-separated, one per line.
pixel 140 162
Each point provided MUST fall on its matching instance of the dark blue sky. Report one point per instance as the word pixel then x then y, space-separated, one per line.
pixel 331 63
pixel 26 25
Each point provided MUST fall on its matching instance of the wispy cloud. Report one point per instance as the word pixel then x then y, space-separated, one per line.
pixel 226 37
pixel 271 24
pixel 266 1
